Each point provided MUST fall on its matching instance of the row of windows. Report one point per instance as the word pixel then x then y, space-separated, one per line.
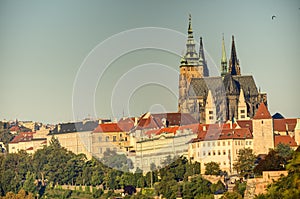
pixel 103 149
pixel 114 138
pixel 210 153
pixel 223 143
pixel 215 143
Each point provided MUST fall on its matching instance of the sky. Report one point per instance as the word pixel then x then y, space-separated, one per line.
pixel 66 60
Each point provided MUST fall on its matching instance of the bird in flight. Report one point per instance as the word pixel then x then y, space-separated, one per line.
pixel 273 17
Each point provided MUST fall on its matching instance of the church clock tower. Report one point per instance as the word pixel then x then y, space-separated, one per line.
pixel 190 67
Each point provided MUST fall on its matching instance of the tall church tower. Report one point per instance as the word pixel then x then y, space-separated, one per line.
pixel 224 69
pixel 263 138
pixel 234 63
pixel 190 67
pixel 202 60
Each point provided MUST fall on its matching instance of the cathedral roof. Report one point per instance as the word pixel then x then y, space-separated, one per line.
pixel 247 83
pixel 262 112
pixel 231 86
pixel 200 86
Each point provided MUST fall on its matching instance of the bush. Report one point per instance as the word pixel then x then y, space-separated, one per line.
pixel 97 193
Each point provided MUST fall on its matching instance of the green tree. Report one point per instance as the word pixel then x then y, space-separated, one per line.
pixel 289 186
pixel 212 168
pixel 284 151
pixel 272 162
pixel 219 187
pixel 245 162
pixel 29 185
pixel 116 161
pixel 232 195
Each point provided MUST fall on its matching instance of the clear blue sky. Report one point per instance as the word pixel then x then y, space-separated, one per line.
pixel 44 43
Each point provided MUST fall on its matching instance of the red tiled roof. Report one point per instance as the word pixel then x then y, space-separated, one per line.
pixel 121 126
pixel 282 125
pixel 151 121
pixel 163 130
pixel 23 137
pixel 221 134
pixel 262 112
pixel 108 127
pixel 245 124
pixel 284 139
pixel 14 128
pixel 29 149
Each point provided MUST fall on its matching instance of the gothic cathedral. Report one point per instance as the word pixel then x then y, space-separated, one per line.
pixel 215 99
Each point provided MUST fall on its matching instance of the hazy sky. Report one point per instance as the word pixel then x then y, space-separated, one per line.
pixel 46 46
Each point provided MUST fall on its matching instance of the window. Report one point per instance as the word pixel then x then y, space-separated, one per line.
pixel 209 153
pixel 208 144
pixel 246 142
pixel 224 143
pixel 125 138
pixel 120 135
pixel 204 144
pixel 228 143
pixel 224 163
pixel 213 144
pixel 114 138
pixel 211 112
pixel 219 152
pixel 243 111
pixel 211 117
pixel 218 143
pixel 214 153
pixel 99 138
pixel 107 138
pixel 242 116
pixel 250 142
pixel 204 153
pixel 224 152
pixel 198 154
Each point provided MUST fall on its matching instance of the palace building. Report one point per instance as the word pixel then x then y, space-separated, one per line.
pixel 215 99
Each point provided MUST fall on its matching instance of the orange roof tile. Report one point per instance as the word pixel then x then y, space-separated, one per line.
pixel 222 134
pixel 282 125
pixel 14 128
pixel 245 124
pixel 262 112
pixel 284 139
pixel 23 137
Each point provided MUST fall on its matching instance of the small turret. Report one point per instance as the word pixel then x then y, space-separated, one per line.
pixel 224 69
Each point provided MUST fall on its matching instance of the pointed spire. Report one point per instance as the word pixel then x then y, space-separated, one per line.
pixel 234 68
pixel 224 58
pixel 201 52
pixel 202 60
pixel 190 30
pixel 191 55
pixel 224 70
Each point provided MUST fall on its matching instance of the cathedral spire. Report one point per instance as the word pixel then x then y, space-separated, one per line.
pixel 234 65
pixel 190 30
pixel 224 59
pixel 191 56
pixel 202 60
